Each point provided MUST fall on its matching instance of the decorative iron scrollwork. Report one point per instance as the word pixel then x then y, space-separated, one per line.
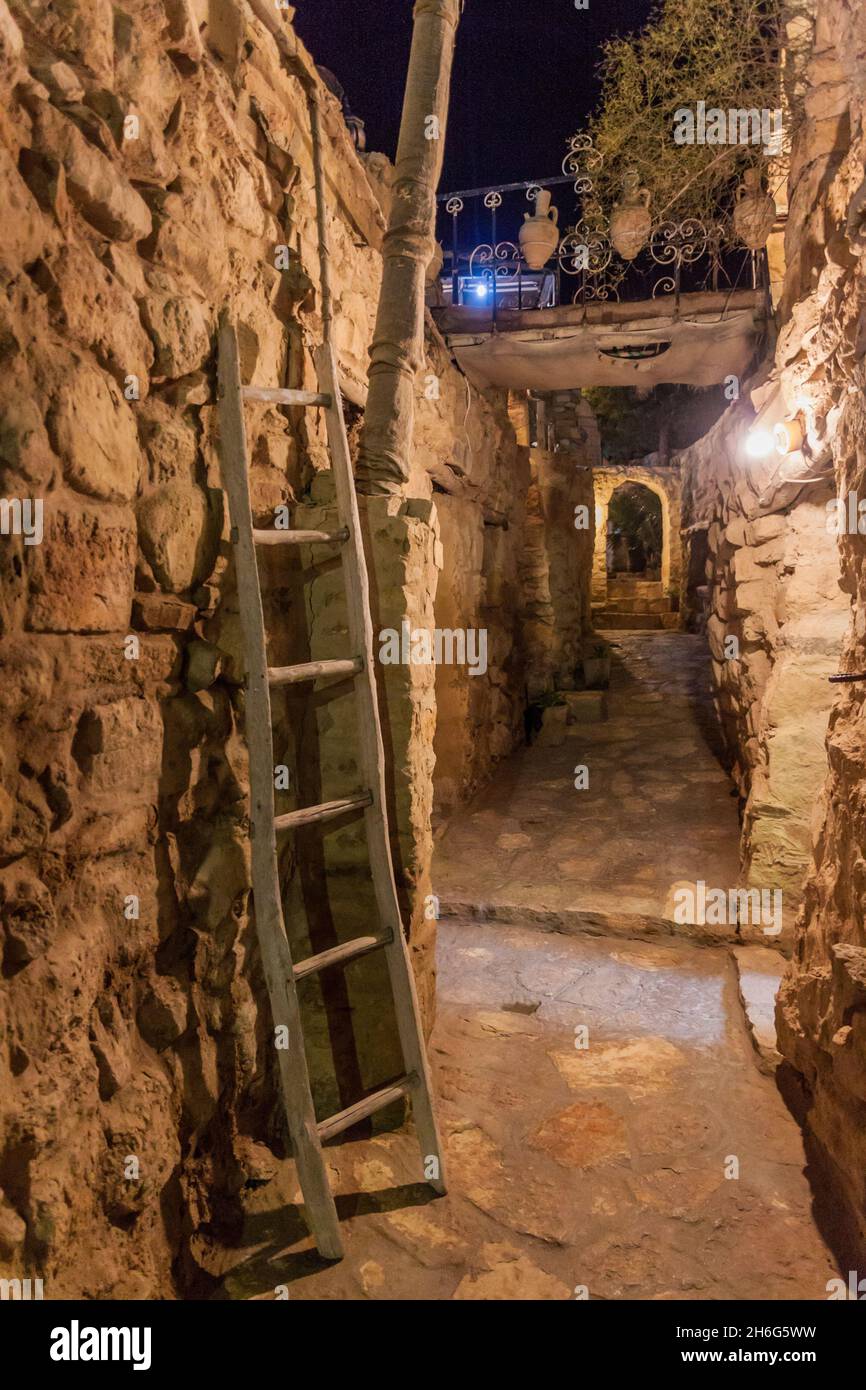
pixel 581 162
pixel 677 244
pixel 584 250
pixel 502 260
pixel 598 291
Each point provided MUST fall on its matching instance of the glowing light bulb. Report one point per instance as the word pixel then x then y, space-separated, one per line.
pixel 759 444
pixel 788 436
pixel 481 291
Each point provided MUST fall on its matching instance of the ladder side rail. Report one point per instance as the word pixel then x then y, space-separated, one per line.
pixel 270 925
pixel 372 757
pixel 372 764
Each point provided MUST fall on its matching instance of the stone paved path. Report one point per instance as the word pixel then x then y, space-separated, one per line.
pixel 658 810
pixel 611 1124
pixel 602 1167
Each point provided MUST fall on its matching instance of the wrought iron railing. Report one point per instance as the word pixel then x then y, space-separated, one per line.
pixel 492 273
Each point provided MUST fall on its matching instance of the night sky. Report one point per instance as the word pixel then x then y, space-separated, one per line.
pixel 524 76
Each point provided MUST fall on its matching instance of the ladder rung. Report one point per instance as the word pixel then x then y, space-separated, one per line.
pixel 301 537
pixel 279 395
pixel 312 670
pixel 362 1108
pixel 329 810
pixel 338 955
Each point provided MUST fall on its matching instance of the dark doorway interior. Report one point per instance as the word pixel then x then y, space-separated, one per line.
pixel 634 532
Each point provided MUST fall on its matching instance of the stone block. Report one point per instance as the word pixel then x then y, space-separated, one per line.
pixel 81 576
pixel 119 748
pixel 181 331
pixel 100 312
pixel 96 184
pixel 178 534
pixel 202 665
pixel 93 431
pixel 162 1013
pixel 23 229
pixel 28 916
pixel 766 528
pixel 735 531
pixel 160 613
pixel 754 596
pixel 554 726
pixel 586 706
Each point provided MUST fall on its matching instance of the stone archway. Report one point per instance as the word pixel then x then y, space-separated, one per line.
pixel 664 483
pixel 634 539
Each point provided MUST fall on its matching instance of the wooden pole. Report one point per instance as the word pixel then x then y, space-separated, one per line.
pixel 398 342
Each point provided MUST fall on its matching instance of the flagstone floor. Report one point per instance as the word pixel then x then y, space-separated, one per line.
pixel 659 809
pixel 608 1132
pixel 605 1082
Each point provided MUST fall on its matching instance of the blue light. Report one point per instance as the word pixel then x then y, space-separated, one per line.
pixel 481 291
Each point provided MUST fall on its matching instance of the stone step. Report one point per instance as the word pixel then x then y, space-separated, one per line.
pixel 632 588
pixel 637 604
pixel 636 622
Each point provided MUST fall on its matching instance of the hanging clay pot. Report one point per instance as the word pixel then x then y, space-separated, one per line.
pixel 631 221
pixel 755 211
pixel 539 235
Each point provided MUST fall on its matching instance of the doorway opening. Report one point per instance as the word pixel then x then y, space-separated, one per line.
pixel 635 533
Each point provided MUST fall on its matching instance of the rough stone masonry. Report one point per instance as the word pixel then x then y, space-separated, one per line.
pixel 156 166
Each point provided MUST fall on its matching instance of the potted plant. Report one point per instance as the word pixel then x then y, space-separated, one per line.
pixel 596 667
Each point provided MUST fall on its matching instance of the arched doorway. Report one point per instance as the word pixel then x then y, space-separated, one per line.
pixel 637 523
pixel 635 533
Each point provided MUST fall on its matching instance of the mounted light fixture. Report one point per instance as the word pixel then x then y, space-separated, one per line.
pixel 760 443
pixel 789 436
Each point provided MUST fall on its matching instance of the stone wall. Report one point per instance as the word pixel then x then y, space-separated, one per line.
pixel 480 480
pixel 794 595
pixel 774 616
pixel 555 568
pixel 156 167
pixel 822 1006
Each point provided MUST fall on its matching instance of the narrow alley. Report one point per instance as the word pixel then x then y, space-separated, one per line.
pixel 611 1124
pixel 433 669
pixel 658 808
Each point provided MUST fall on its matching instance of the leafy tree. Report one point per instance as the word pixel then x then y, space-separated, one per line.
pixel 730 54
pixel 667 418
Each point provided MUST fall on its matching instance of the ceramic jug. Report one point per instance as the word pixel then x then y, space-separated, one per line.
pixel 755 211
pixel 539 235
pixel 631 221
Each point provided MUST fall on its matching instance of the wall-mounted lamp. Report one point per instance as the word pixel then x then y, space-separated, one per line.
pixel 789 436
pixel 760 443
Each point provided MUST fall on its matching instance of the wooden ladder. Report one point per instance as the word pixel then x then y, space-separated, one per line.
pixel 281 973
